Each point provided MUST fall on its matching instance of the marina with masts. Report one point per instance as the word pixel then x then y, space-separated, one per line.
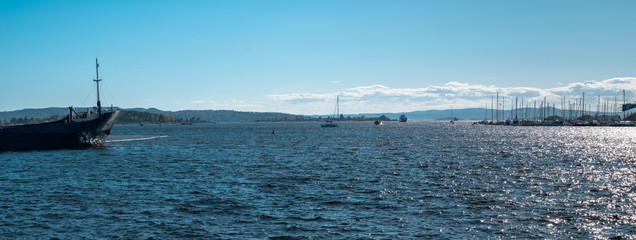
pixel 568 112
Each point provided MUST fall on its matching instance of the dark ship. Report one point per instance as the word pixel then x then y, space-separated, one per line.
pixel 403 118
pixel 77 130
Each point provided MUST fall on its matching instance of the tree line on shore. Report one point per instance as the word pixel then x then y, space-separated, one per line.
pixel 27 120
pixel 125 117
pixel 134 117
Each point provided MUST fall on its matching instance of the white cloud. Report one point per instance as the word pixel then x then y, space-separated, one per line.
pixel 379 98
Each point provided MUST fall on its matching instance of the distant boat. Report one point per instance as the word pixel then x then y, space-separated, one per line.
pixel 378 122
pixel 403 118
pixel 141 122
pixel 77 130
pixel 452 120
pixel 330 122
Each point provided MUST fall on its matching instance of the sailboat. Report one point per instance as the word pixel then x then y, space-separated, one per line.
pixel 77 130
pixel 452 120
pixel 331 122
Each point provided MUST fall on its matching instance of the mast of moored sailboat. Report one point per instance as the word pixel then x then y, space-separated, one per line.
pixel 338 106
pixel 624 102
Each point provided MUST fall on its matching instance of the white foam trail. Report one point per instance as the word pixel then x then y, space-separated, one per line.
pixel 137 139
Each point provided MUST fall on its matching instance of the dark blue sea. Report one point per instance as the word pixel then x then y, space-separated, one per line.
pixel 416 180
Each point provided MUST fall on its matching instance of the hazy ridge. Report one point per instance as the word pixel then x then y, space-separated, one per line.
pixel 239 116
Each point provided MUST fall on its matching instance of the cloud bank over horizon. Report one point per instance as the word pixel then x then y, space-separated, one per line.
pixel 380 98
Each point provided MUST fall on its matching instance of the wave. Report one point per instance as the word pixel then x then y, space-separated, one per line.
pixel 137 139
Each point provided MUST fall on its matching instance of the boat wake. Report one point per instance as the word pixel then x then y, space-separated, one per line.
pixel 137 139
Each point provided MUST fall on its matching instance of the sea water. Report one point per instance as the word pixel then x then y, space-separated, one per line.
pixel 359 181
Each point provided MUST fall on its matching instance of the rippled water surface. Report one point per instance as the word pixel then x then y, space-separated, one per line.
pixel 358 181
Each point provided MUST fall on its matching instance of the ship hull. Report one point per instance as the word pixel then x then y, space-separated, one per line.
pixel 58 135
pixel 329 123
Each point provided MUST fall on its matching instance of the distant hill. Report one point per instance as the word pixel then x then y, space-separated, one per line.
pixel 36 113
pixel 431 115
pixel 222 115
pixel 135 117
pixel 202 115
pixel 30 116
pixel 238 116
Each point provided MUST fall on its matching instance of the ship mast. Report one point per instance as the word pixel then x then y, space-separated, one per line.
pixel 99 104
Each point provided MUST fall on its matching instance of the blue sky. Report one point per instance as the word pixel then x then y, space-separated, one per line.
pixel 296 56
